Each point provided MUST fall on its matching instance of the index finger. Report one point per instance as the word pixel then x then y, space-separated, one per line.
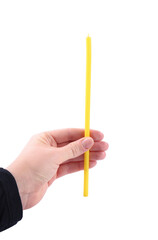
pixel 73 134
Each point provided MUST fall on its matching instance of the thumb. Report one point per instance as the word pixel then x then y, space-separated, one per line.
pixel 75 149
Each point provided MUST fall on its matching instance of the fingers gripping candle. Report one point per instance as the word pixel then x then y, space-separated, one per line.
pixel 87 112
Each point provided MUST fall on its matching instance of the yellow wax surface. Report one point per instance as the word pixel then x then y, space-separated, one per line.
pixel 87 112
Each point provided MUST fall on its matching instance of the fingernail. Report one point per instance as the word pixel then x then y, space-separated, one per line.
pixel 87 143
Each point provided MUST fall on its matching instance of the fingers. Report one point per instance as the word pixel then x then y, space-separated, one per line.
pixel 97 152
pixel 72 167
pixel 73 134
pixel 97 147
pixel 93 156
pixel 74 149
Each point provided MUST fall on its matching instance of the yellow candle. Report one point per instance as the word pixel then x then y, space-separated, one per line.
pixel 87 112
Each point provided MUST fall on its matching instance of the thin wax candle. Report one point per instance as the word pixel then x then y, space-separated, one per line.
pixel 87 112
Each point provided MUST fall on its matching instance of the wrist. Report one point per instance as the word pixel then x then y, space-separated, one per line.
pixel 20 181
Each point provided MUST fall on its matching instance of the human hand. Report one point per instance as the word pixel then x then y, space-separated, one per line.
pixel 50 155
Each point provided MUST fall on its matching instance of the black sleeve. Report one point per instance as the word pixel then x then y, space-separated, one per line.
pixel 10 203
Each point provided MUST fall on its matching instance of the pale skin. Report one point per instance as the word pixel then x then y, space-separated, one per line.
pixel 50 155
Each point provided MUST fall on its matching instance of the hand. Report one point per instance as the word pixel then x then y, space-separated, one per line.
pixel 51 155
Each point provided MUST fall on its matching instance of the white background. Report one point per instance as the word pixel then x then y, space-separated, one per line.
pixel 42 87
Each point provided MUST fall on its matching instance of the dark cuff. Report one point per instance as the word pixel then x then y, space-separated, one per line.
pixel 13 205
